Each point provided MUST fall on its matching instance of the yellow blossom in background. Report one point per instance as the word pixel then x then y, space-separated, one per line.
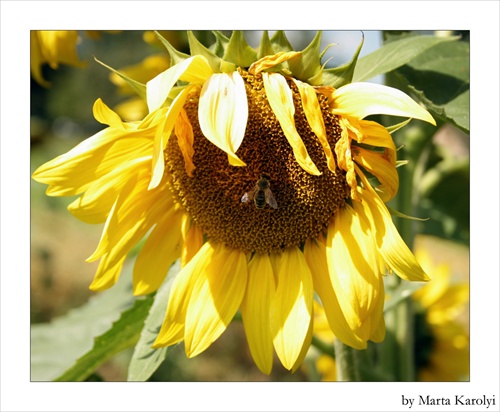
pixel 53 48
pixel 255 173
pixel 442 340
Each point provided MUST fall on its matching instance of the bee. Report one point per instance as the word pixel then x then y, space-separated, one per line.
pixel 261 194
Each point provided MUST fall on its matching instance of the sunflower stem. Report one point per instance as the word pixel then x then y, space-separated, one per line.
pixel 347 362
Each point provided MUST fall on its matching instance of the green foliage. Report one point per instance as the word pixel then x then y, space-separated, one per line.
pixel 394 54
pixel 145 359
pixel 123 334
pixel 55 346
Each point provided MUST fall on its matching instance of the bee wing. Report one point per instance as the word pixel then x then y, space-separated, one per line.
pixel 270 199
pixel 249 195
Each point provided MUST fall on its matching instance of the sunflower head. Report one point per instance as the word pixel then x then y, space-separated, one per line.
pixel 258 169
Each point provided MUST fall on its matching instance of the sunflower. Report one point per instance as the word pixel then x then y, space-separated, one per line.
pixel 265 180
pixel 442 342
pixel 54 48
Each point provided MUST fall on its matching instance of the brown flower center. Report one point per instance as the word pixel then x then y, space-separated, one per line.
pixel 234 205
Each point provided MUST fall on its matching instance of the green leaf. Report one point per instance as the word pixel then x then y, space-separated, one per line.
pixel 342 75
pixel 145 360
pixel 176 56
pixel 458 111
pixel 394 54
pixel 138 87
pixel 455 111
pixel 123 334
pixel 238 51
pixel 56 345
pixel 449 58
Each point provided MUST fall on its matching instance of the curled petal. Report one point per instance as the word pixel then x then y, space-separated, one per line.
pixel 267 62
pixel 378 165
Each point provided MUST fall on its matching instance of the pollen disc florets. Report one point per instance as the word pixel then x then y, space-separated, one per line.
pixel 213 195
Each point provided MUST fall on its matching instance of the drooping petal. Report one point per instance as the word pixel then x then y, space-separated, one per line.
pixel 314 117
pixel 172 329
pixel 291 307
pixel 158 253
pixel 256 309
pixel 359 100
pixel 223 113
pixel 391 246
pixel 216 297
pixel 280 99
pixel 315 254
pixel 353 265
pixel 194 69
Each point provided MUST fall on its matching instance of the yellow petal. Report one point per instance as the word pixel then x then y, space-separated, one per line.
pixel 291 306
pixel 192 237
pixel 75 171
pixel 158 253
pixel 185 139
pixel 194 69
pixel 256 311
pixel 106 275
pixel 216 297
pixel 103 114
pixel 315 253
pixel 305 346
pixel 94 205
pixel 381 167
pixel 391 246
pixel 223 113
pixel 162 135
pixel 172 330
pixel 314 117
pixel 359 100
pixel 132 216
pixel 281 101
pixel 267 62
pixel 353 265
